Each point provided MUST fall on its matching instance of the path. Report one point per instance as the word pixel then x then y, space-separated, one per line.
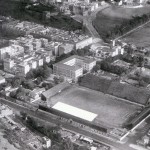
pixel 135 29
pixel 88 21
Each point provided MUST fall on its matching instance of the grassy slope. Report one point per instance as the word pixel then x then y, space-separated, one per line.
pixel 110 17
pixel 140 37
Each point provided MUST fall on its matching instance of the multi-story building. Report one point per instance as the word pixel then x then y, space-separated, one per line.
pixel 23 68
pixel 65 48
pixel 83 43
pixel 46 59
pixel 73 66
pixel 39 61
pixel 10 51
pixel 33 64
pixel 8 64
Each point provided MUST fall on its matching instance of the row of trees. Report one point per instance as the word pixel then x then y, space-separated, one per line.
pixel 106 66
pixel 126 26
pixel 33 78
pixel 135 60
pixel 41 72
pixel 21 94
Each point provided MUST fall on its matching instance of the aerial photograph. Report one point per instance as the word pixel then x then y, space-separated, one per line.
pixel 74 74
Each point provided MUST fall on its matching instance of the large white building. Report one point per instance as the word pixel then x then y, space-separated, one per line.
pixel 83 43
pixel 73 66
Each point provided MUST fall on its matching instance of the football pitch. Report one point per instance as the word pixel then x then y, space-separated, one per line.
pixel 111 111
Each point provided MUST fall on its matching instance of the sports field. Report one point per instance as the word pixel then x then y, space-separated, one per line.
pixel 112 16
pixel 112 112
pixel 139 37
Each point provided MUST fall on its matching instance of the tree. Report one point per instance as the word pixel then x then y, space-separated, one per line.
pixel 13 94
pixel 96 68
pixel 61 79
pixel 56 80
pixel 29 84
pixel 39 80
pixel 67 144
pixel 16 82
pixel 23 115
pixel 30 75
pixel 32 122
pixel 46 72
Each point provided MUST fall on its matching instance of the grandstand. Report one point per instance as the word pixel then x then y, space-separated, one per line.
pixel 80 113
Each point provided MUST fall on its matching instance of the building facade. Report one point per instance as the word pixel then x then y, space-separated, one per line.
pixel 73 66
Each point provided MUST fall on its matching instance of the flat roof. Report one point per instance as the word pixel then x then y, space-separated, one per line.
pixel 80 113
pixel 85 59
pixel 74 67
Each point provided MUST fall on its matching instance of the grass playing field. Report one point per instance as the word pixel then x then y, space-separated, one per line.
pixel 140 37
pixel 112 16
pixel 112 112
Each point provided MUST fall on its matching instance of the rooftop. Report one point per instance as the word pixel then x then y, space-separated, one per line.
pixel 75 66
pixel 74 111
pixel 85 59
pixel 54 90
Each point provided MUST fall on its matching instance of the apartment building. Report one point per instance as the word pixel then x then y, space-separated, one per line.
pixel 73 66
pixel 65 48
pixel 23 68
pixel 10 51
pixel 84 42
pixel 8 64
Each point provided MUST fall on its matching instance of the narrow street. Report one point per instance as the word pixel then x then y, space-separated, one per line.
pixel 88 21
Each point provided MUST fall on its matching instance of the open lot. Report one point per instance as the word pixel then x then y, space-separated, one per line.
pixel 139 37
pixel 111 111
pixel 112 16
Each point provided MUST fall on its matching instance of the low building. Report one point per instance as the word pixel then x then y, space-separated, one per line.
pixel 55 90
pixel 2 80
pixel 83 43
pixel 121 64
pixel 47 142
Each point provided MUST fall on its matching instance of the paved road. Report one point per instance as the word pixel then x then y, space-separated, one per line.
pixel 88 21
pixel 49 118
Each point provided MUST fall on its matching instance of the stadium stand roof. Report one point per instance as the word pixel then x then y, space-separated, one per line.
pixel 74 111
pixel 56 89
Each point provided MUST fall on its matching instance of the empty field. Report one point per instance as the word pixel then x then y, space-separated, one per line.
pixel 140 37
pixel 112 16
pixel 112 112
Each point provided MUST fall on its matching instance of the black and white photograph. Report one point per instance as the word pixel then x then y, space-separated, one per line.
pixel 74 74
